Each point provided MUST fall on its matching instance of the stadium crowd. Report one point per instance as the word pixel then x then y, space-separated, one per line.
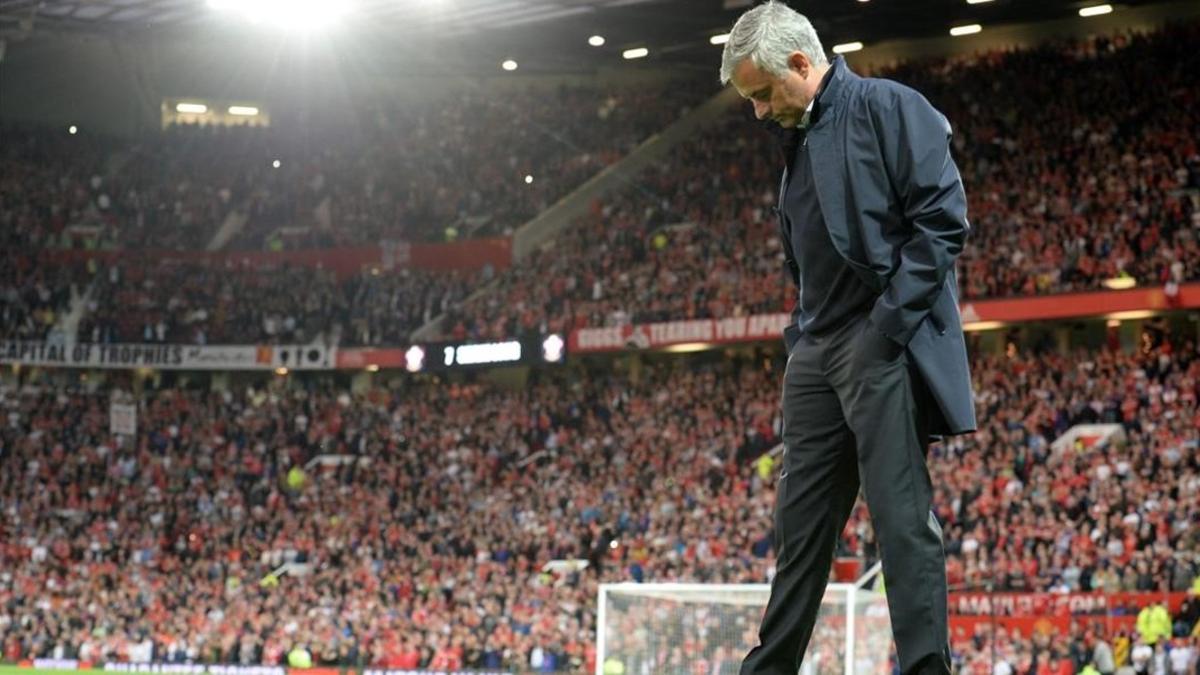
pixel 410 526
pixel 138 300
pixel 474 509
pixel 1080 181
pixel 423 535
pixel 1063 197
pixel 165 191
pixel 483 162
pixel 199 303
pixel 401 172
pixel 33 295
pixel 1086 651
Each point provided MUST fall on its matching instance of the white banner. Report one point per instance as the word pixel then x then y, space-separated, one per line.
pixel 651 335
pixel 193 669
pixel 203 669
pixel 304 357
pixel 122 418
pixel 169 357
pixel 56 664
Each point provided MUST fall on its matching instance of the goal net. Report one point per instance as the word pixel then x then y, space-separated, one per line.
pixel 690 629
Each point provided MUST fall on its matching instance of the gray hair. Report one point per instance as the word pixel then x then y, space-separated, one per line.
pixel 767 35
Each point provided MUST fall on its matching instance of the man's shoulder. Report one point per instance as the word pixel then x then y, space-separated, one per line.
pixel 879 90
pixel 882 100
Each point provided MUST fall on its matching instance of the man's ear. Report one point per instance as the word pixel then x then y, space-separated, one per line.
pixel 799 62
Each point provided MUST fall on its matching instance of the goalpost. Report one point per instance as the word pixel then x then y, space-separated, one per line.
pixel 682 629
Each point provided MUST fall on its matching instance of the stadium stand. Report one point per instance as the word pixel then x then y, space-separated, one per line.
pixel 1056 202
pixel 434 551
pixel 335 185
pixel 686 240
pixel 408 525
pixel 32 295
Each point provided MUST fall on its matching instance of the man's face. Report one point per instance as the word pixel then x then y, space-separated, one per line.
pixel 780 99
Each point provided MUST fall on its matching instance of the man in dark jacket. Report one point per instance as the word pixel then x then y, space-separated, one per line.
pixel 872 215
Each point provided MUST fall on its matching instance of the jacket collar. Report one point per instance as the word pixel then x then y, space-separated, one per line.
pixel 831 94
pixel 820 104
pixel 833 90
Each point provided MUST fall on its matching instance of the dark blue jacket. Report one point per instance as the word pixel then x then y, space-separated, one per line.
pixel 894 203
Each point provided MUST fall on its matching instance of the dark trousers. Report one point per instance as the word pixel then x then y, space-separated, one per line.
pixel 854 411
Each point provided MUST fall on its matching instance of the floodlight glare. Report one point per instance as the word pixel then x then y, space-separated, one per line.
pixel 243 110
pixel 966 30
pixel 287 14
pixel 196 108
pixel 596 41
pixel 509 65
pixel 847 47
pixel 719 39
pixel 635 53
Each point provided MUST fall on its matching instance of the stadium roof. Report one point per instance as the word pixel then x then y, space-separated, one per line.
pixel 557 30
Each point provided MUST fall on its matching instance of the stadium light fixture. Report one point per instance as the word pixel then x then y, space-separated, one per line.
pixel 1095 10
pixel 636 53
pixel 194 108
pixel 509 65
pixel 970 29
pixel 847 47
pixel 528 179
pixel 977 2
pixel 688 347
pixel 719 39
pixel 72 130
pixel 247 110
pixel 276 164
pixel 596 41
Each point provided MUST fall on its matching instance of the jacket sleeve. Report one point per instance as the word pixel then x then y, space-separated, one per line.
pixel 914 140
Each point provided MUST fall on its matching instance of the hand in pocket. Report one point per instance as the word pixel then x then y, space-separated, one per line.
pixel 875 348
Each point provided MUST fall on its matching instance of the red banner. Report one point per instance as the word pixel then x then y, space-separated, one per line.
pixel 472 254
pixel 770 326
pixel 1069 305
pixel 1058 604
pixel 963 627
pixel 361 358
